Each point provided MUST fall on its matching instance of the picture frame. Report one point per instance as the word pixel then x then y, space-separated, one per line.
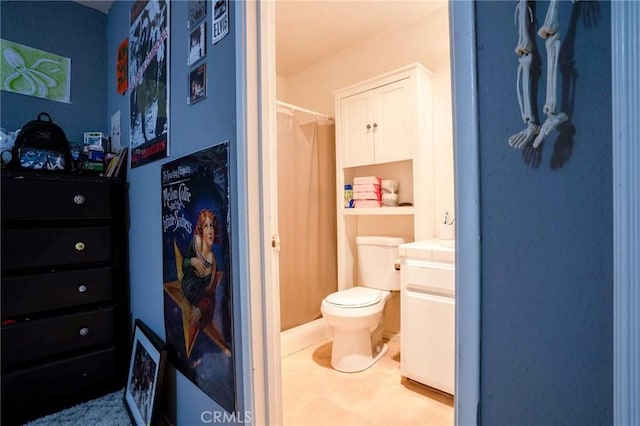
pixel 197 84
pixel 145 374
pixel 197 10
pixel 197 44
pixel 220 20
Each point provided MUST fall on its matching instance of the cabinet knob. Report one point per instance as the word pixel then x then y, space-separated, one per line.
pixel 82 288
pixel 79 246
pixel 375 125
pixel 78 199
pixel 368 126
pixel 84 331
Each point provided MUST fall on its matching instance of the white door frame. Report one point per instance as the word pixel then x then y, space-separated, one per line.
pixel 255 24
pixel 259 38
pixel 467 202
pixel 625 104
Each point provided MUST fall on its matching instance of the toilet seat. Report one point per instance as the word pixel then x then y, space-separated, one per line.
pixel 356 297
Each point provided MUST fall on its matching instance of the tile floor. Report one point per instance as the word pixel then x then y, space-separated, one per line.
pixel 315 394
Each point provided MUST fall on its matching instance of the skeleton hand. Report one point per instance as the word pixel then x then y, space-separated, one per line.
pixel 552 122
pixel 522 139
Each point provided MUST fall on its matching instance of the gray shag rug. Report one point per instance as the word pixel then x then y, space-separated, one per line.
pixel 108 410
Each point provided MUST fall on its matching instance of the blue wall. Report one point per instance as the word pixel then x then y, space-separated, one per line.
pixel 547 277
pixel 192 128
pixel 70 30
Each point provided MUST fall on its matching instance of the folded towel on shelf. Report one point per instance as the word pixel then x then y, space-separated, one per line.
pixel 366 179
pixel 367 203
pixel 367 187
pixel 357 195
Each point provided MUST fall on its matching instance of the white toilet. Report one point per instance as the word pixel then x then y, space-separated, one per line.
pixel 355 314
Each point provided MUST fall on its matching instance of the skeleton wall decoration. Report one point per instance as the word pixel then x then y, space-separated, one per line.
pixel 554 117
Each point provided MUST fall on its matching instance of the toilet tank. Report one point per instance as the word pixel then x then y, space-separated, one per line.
pixel 377 258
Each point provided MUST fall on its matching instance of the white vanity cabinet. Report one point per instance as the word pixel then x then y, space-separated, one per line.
pixel 377 125
pixel 427 306
pixel 384 129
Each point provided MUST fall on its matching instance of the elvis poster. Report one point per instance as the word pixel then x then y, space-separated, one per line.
pixel 197 271
pixel 148 81
pixel 220 27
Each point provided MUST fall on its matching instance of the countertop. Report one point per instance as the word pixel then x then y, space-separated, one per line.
pixel 432 249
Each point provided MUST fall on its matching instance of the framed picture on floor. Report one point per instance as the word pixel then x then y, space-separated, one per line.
pixel 146 369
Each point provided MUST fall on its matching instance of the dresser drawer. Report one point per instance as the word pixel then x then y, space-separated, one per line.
pixel 32 393
pixel 29 248
pixel 53 198
pixel 26 294
pixel 36 339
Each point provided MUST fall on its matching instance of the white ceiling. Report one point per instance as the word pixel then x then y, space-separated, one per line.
pixel 308 31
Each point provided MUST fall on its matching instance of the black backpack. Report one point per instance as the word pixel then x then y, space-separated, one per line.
pixel 41 145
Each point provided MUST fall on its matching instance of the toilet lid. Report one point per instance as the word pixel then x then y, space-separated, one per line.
pixel 356 297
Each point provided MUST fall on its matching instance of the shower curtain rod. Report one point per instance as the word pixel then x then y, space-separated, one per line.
pixel 308 111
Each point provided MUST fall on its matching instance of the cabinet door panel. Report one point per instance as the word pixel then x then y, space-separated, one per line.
pixel 428 339
pixel 357 139
pixel 392 124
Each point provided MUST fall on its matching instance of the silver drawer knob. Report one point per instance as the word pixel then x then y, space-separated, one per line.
pixel 78 199
pixel 79 246
pixel 82 288
pixel 84 331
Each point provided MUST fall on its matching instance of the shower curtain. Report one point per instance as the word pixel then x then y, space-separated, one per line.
pixel 306 217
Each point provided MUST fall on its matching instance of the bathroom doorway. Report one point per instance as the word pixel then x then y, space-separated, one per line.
pixel 259 60
pixel 310 84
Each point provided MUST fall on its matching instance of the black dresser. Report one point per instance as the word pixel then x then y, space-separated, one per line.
pixel 65 332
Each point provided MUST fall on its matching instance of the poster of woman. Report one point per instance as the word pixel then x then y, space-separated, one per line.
pixel 197 270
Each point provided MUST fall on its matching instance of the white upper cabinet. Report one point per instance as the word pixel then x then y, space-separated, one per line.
pixel 376 125
pixel 384 129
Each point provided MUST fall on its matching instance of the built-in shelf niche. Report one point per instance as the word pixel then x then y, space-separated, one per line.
pixel 401 171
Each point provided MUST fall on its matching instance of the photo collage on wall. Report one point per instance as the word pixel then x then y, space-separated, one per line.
pixel 197 48
pixel 197 12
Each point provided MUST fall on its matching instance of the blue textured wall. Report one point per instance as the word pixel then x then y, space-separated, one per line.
pixel 192 128
pixel 547 277
pixel 70 30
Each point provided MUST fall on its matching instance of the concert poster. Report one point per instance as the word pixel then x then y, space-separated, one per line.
pixel 197 280
pixel 149 81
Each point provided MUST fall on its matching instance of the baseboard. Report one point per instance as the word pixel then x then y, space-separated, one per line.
pixel 297 338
